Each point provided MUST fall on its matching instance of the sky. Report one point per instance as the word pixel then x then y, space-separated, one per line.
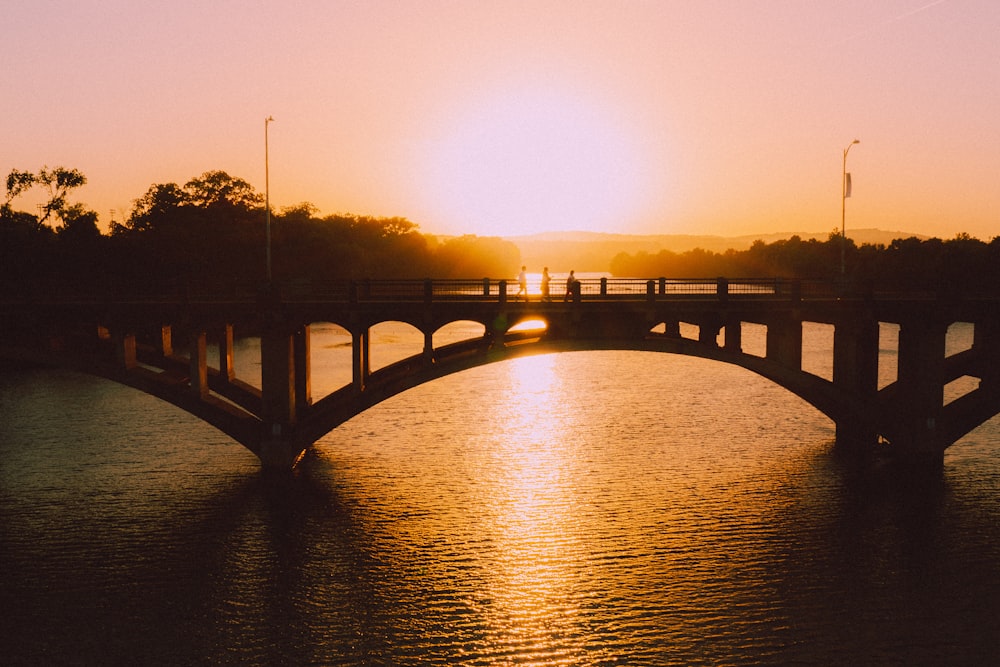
pixel 501 118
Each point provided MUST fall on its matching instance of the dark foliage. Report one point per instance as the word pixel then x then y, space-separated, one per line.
pixel 963 264
pixel 211 234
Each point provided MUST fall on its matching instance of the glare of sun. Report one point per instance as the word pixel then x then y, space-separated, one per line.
pixel 530 325
pixel 535 160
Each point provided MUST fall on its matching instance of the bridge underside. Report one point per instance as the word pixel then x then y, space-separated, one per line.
pixel 280 420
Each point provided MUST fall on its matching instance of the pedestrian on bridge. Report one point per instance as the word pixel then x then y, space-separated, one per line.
pixel 571 282
pixel 545 284
pixel 522 282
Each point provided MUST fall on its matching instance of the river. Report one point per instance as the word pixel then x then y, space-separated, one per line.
pixel 586 508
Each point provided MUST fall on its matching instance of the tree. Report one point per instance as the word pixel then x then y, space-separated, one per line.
pixel 17 182
pixel 58 181
pixel 79 225
pixel 219 189
pixel 301 213
pixel 153 209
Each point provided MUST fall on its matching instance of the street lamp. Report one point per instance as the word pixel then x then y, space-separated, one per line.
pixel 267 201
pixel 845 182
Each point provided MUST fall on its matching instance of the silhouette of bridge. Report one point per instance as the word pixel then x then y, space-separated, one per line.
pixel 129 338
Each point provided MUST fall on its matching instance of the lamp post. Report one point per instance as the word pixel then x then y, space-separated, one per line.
pixel 267 202
pixel 843 206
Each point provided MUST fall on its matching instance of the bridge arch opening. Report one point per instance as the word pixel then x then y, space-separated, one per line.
pixel 888 353
pixel 554 396
pixel 458 331
pixel 330 349
pixel 817 349
pixel 958 339
pixel 393 341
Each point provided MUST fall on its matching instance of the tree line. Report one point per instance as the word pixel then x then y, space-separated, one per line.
pixel 962 264
pixel 212 231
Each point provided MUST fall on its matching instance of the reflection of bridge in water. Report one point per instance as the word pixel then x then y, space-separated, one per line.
pixel 130 340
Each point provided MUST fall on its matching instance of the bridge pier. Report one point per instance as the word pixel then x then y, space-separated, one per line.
pixel 734 334
pixel 708 330
pixel 428 347
pixel 784 342
pixel 198 364
pixel 285 394
pixel 125 350
pixel 278 454
pixel 360 358
pixel 164 342
pixel 227 370
pixel 855 370
pixel 277 375
pixel 918 406
pixel 303 369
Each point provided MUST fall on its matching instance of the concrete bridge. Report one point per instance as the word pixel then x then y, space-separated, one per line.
pixel 130 339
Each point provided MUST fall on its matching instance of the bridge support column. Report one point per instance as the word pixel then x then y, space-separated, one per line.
pixel 227 370
pixel 199 364
pixel 855 370
pixel 125 350
pixel 277 374
pixel 164 343
pixel 303 371
pixel 278 447
pixel 784 342
pixel 361 368
pixel 921 382
pixel 428 347
pixel 734 334
pixel 708 331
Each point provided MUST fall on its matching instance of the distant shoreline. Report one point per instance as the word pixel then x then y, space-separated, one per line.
pixel 593 251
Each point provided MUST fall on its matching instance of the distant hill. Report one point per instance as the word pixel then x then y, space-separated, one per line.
pixel 593 251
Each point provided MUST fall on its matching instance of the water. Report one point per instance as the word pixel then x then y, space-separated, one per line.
pixel 572 509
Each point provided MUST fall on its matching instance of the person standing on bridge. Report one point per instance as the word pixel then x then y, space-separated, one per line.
pixel 522 282
pixel 545 284
pixel 570 285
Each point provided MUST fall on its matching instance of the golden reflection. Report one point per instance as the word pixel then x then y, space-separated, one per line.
pixel 530 325
pixel 534 514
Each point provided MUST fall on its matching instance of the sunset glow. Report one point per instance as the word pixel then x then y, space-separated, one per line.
pixel 509 118
pixel 521 161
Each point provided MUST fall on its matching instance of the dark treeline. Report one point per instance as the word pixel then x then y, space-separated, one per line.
pixel 212 232
pixel 962 264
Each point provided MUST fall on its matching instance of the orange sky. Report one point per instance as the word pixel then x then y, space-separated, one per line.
pixel 500 118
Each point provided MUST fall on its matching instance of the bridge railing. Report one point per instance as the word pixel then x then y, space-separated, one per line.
pixel 481 289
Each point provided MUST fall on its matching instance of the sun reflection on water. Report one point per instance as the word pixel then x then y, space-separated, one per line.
pixel 531 588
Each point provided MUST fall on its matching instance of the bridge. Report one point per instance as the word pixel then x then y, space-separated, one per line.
pixel 129 338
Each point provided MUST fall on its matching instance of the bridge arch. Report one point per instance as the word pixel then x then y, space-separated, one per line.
pixel 463 355
pixel 130 341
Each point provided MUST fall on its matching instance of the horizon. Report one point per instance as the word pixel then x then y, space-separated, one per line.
pixel 718 119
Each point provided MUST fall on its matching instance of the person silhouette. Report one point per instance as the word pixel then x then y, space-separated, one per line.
pixel 545 284
pixel 570 283
pixel 522 282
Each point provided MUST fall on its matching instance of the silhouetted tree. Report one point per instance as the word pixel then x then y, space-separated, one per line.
pixel 219 189
pixel 58 182
pixel 153 210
